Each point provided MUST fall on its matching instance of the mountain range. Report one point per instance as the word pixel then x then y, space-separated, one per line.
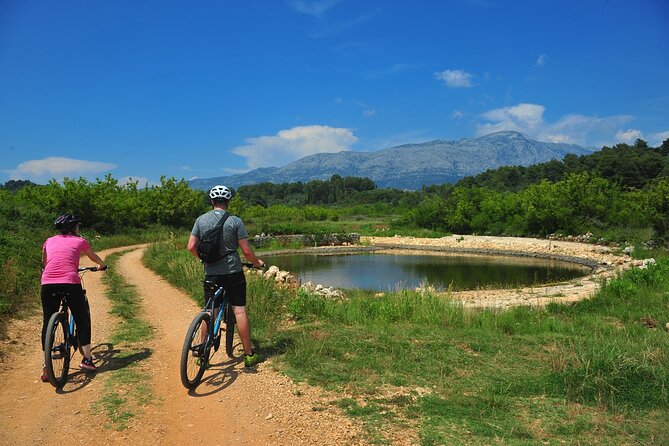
pixel 409 166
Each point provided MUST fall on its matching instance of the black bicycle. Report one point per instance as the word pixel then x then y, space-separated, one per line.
pixel 60 341
pixel 204 333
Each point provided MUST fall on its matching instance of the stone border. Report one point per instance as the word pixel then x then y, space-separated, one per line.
pixel 590 263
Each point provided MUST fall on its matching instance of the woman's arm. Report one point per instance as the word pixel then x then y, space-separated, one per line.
pixel 96 258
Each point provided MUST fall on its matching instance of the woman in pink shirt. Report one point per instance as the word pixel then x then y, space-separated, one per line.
pixel 60 258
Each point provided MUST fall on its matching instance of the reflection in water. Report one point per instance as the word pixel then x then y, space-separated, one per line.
pixel 401 271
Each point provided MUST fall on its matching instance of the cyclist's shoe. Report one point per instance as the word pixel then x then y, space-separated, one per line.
pixel 197 351
pixel 44 377
pixel 252 360
pixel 87 364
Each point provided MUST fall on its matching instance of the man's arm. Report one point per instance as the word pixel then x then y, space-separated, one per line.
pixel 192 246
pixel 249 254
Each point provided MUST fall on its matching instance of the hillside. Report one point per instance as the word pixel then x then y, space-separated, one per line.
pixel 409 166
pixel 628 166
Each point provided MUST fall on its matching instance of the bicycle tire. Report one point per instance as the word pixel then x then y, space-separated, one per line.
pixel 192 365
pixel 229 331
pixel 57 348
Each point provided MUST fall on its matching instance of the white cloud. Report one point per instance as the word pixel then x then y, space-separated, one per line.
pixel 629 136
pixel 369 112
pixel 290 145
pixel 658 138
pixel 58 167
pixel 332 28
pixel 524 118
pixel 313 8
pixel 455 78
pixel 541 60
pixel 457 114
pixel 572 128
pixel 398 139
pixel 141 182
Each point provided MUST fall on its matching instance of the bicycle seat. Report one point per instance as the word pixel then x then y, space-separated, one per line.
pixel 213 286
pixel 60 294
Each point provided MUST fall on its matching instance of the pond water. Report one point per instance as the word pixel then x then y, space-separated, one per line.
pixel 387 272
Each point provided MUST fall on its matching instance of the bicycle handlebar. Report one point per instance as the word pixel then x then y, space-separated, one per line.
pixel 91 268
pixel 250 265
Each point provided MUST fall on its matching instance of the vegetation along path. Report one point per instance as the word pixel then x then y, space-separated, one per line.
pixel 231 406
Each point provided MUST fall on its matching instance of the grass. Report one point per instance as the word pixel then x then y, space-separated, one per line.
pixel 586 373
pixel 130 237
pixel 126 389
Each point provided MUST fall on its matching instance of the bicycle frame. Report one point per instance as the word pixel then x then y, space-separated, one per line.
pixel 214 329
pixel 64 309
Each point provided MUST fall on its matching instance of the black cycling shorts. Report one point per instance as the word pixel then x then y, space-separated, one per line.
pixel 235 288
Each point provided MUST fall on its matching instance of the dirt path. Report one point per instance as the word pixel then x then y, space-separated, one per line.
pixel 231 406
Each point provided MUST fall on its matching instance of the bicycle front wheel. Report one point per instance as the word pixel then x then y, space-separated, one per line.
pixel 229 331
pixel 57 350
pixel 195 351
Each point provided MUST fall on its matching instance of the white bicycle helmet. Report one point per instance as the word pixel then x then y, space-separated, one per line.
pixel 220 193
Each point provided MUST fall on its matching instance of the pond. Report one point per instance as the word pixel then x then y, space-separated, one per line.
pixel 388 272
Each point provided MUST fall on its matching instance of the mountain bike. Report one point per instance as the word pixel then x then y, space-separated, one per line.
pixel 204 333
pixel 60 341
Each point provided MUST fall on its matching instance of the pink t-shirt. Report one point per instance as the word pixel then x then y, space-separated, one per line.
pixel 62 258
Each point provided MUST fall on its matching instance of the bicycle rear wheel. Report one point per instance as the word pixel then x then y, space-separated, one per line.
pixel 57 350
pixel 195 351
pixel 229 331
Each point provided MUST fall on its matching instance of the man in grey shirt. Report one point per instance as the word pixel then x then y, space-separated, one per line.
pixel 228 271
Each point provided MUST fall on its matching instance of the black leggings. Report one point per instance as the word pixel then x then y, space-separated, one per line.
pixel 76 301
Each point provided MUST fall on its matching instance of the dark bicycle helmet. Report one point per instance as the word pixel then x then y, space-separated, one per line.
pixel 66 221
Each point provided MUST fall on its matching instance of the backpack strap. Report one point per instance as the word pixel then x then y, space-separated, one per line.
pixel 220 224
pixel 221 221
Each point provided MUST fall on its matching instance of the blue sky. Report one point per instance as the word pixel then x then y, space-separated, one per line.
pixel 203 88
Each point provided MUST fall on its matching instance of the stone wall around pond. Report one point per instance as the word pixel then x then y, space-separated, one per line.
pixel 263 240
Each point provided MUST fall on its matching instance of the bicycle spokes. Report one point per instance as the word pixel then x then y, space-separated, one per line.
pixel 195 351
pixel 57 350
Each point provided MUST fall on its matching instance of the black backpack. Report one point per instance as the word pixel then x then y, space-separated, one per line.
pixel 208 247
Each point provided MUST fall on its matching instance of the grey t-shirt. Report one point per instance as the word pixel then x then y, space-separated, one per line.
pixel 233 230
